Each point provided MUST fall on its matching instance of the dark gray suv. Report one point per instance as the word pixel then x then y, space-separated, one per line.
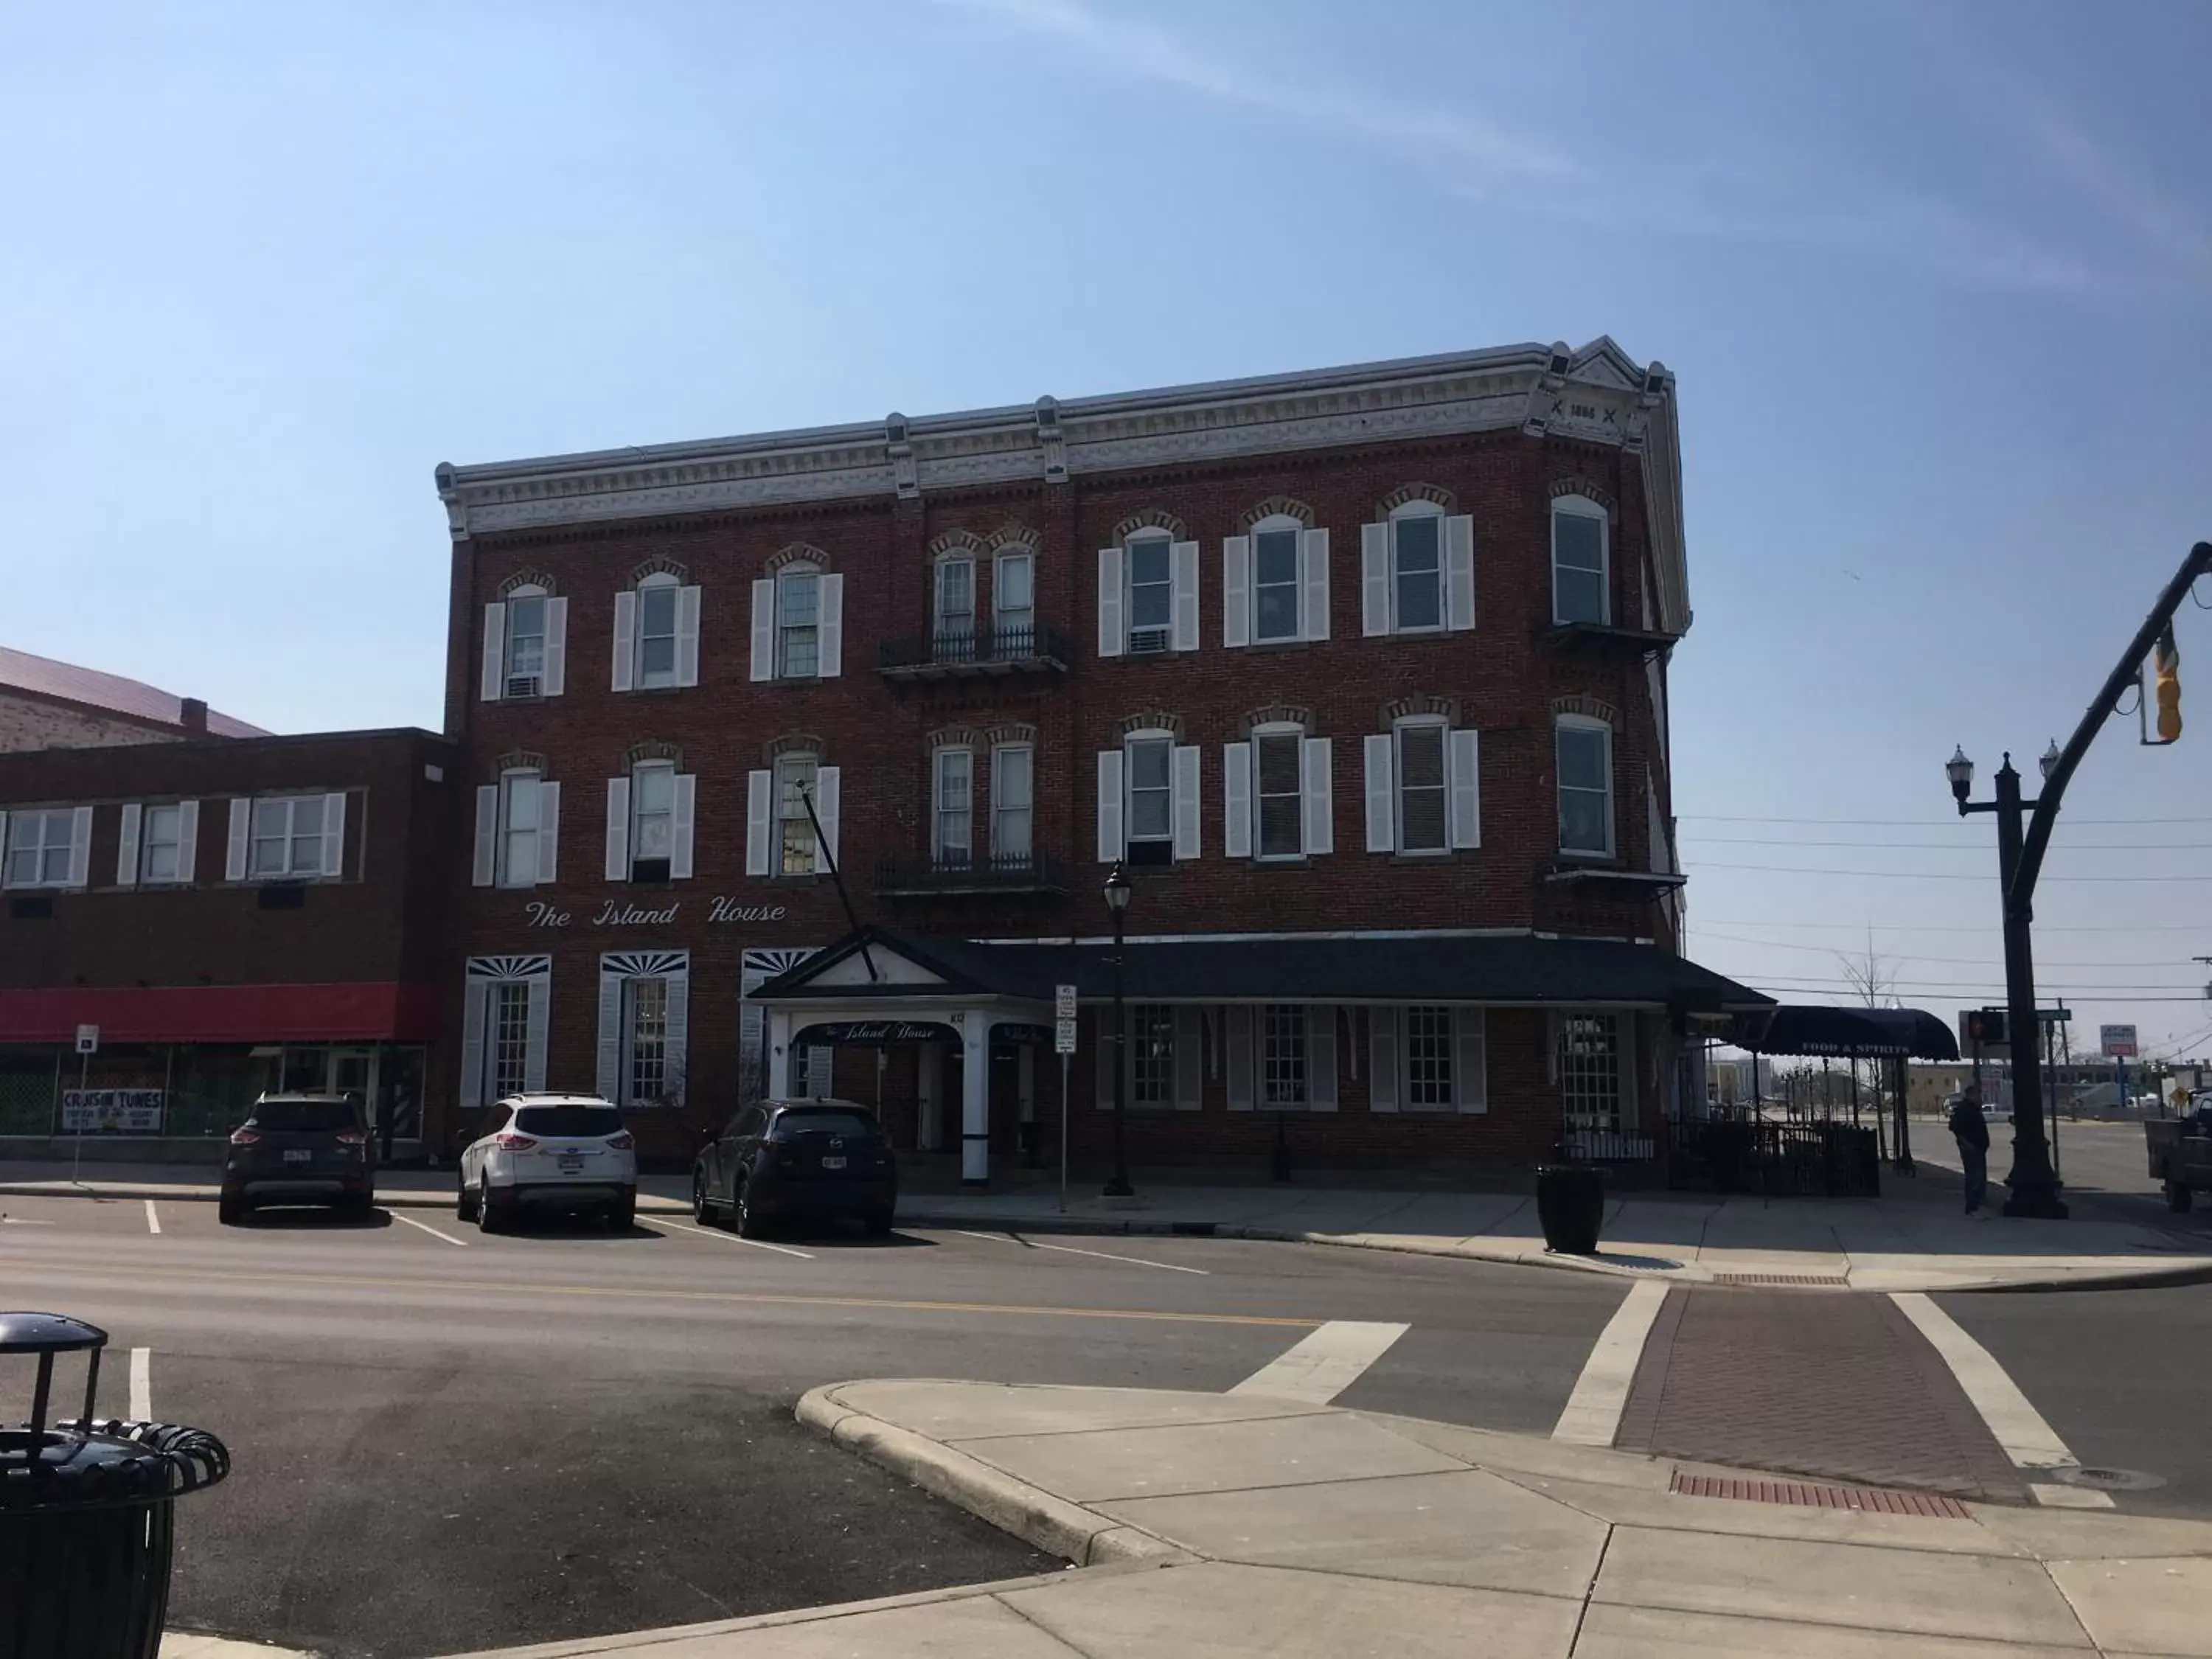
pixel 299 1149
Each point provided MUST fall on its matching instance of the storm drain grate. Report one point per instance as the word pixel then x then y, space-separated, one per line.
pixel 1810 1281
pixel 1870 1499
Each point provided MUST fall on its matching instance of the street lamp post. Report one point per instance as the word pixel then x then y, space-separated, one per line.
pixel 1117 902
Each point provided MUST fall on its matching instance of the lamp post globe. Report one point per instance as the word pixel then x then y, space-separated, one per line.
pixel 2051 758
pixel 1961 771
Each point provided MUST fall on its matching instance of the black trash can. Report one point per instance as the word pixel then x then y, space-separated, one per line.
pixel 85 1518
pixel 1570 1203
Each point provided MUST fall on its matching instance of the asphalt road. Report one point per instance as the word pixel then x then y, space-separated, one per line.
pixel 444 1440
pixel 2103 1166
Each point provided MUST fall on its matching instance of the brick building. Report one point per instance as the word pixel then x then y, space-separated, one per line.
pixel 233 914
pixel 45 704
pixel 1362 672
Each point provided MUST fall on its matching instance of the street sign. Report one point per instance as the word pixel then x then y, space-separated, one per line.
pixel 87 1039
pixel 1063 1036
pixel 2118 1041
pixel 1063 1002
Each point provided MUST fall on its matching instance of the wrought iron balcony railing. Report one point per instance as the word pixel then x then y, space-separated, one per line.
pixel 948 654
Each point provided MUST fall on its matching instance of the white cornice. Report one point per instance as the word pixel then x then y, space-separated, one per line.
pixel 1596 393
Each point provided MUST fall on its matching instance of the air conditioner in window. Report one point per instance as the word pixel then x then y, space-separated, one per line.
pixel 1148 639
pixel 522 685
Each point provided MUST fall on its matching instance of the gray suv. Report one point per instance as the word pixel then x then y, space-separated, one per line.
pixel 299 1149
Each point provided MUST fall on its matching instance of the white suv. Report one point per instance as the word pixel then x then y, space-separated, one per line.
pixel 549 1152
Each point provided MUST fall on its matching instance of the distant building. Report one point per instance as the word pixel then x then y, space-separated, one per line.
pixel 45 704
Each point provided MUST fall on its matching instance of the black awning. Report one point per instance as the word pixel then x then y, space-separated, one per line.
pixel 1848 1033
pixel 1492 968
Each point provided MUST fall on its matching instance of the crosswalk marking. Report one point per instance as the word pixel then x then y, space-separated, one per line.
pixel 1592 1416
pixel 2031 1443
pixel 1324 1365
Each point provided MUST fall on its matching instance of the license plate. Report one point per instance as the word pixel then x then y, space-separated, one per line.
pixel 571 1164
pixel 299 1155
pixel 833 1163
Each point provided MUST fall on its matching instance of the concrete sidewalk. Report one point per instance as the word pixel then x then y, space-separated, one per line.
pixel 1913 1238
pixel 1241 1524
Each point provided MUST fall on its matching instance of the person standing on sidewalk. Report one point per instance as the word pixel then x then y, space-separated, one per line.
pixel 1972 1131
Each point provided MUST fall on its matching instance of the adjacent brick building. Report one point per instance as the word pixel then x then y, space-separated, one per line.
pixel 1337 662
pixel 46 704
pixel 232 915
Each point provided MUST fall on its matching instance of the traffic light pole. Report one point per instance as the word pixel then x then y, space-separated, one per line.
pixel 2034 1183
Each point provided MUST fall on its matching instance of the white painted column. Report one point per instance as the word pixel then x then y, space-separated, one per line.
pixel 779 1055
pixel 929 1093
pixel 975 1102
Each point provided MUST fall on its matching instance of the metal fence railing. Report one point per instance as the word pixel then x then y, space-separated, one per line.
pixel 1779 1160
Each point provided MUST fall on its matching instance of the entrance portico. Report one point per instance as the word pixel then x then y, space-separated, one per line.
pixel 874 994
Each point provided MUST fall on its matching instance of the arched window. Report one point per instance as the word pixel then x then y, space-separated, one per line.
pixel 1013 600
pixel 1148 556
pixel 797 622
pixel 1584 753
pixel 1278 578
pixel 656 634
pixel 1416 567
pixel 1581 583
pixel 955 637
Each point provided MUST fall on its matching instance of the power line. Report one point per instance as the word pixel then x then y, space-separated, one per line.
pixel 1695 920
pixel 1977 848
pixel 1912 875
pixel 1906 955
pixel 1905 823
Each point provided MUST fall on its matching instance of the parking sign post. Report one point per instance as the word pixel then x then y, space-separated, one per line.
pixel 87 1045
pixel 1063 1044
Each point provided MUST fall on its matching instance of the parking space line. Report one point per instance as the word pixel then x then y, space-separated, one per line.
pixel 1592 1414
pixel 1070 1249
pixel 153 1218
pixel 2031 1443
pixel 142 1385
pixel 730 1238
pixel 1323 1364
pixel 425 1226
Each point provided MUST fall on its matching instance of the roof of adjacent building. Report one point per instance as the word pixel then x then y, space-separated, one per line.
pixel 1524 968
pixel 113 694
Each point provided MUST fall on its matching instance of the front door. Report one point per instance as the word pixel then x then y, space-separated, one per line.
pixel 353 1071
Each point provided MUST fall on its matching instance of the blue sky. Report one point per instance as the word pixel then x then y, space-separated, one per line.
pixel 1933 277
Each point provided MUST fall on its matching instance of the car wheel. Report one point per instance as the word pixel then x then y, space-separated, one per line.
pixel 702 1210
pixel 464 1204
pixel 357 1209
pixel 622 1217
pixel 878 1224
pixel 2179 1197
pixel 488 1219
pixel 750 1223
pixel 229 1210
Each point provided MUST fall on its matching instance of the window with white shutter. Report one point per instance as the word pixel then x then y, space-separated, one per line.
pixel 658 599
pixel 520 824
pixel 1279 792
pixel 798 622
pixel 161 850
pixel 651 821
pixel 1424 788
pixel 505 1015
pixel 1277 580
pixel 39 843
pixel 523 673
pixel 1150 602
pixel 1148 816
pixel 287 835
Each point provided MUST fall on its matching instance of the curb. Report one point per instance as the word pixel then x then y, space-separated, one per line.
pixel 1038 1517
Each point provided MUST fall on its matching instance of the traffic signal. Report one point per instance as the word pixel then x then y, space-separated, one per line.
pixel 2166 665
pixel 1985 1027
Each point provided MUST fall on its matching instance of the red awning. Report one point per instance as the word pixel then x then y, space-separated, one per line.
pixel 223 1013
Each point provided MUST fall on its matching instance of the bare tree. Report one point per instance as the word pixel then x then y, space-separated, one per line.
pixel 1872 978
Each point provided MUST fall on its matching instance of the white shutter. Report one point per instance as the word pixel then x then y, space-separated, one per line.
pixel 1459 571
pixel 1237 800
pixel 1239 1023
pixel 1184 571
pixel 625 640
pixel 1319 803
pixel 760 790
pixel 473 994
pixel 610 1042
pixel 556 647
pixel 618 830
pixel 1109 806
pixel 126 846
pixel 1110 602
pixel 188 839
pixel 242 820
pixel 1374 579
pixel 334 835
pixel 1316 608
pixel 1470 1059
pixel 1236 590
pixel 677 1038
pixel 1190 1061
pixel 4 842
pixel 832 625
pixel 687 636
pixel 1464 749
pixel 484 870
pixel 764 629
pixel 1321 1057
pixel 1382 807
pixel 1183 788
pixel 548 833
pixel 679 857
pixel 539 1025
pixel 80 866
pixel 494 655
pixel 827 790
pixel 1382 1059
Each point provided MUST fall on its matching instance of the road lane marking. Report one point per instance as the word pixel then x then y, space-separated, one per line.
pixel 2031 1443
pixel 1324 1365
pixel 1070 1249
pixel 731 1239
pixel 142 1385
pixel 435 1232
pixel 475 1288
pixel 153 1218
pixel 1592 1415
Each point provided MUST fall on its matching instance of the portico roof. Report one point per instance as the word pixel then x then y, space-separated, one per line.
pixel 1524 968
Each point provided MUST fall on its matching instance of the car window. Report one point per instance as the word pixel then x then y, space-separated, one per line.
pixel 573 1121
pixel 305 1117
pixel 817 1119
